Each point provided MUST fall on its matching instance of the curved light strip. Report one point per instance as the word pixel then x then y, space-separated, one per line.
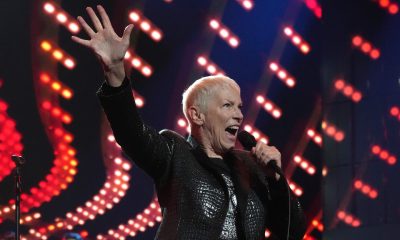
pixel 147 218
pixel 113 190
pixel 61 174
pixel 10 142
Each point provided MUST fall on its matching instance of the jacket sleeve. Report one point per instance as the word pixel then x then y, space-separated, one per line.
pixel 149 149
pixel 278 211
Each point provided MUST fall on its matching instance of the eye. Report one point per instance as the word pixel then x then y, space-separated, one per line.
pixel 227 105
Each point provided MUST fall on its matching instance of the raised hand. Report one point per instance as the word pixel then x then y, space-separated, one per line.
pixel 106 44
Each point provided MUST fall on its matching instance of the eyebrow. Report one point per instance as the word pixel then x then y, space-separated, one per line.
pixel 232 102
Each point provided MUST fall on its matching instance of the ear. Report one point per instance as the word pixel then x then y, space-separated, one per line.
pixel 196 116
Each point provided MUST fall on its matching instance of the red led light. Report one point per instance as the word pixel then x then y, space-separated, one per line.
pixel 146 25
pixel 62 17
pixel 140 223
pixel 383 154
pixel 314 6
pixel 282 74
pixel 182 124
pixel 10 142
pixel 209 66
pixel 224 33
pixel 332 131
pixel 391 7
pixel 56 86
pixel 58 54
pixel 348 90
pixel 269 106
pixel 138 63
pixel 297 40
pixel 318 225
pixel 258 135
pixel 311 133
pixel 348 219
pixel 366 47
pixel 298 191
pixel 304 164
pixel 139 100
pixel 395 112
pixel 246 4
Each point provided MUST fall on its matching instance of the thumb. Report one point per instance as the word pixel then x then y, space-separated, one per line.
pixel 127 33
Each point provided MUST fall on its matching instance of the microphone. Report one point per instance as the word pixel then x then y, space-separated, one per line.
pixel 248 141
pixel 18 160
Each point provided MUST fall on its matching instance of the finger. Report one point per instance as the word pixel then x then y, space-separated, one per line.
pixel 86 26
pixel 95 19
pixel 260 147
pixel 104 17
pixel 81 41
pixel 260 153
pixel 127 33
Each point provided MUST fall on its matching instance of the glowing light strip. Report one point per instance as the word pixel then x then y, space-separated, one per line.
pixel 316 137
pixel 209 66
pixel 304 164
pixel 298 191
pixel 58 54
pixel 10 141
pixel 110 194
pixel 257 134
pixel 315 7
pixel 349 219
pixel 146 219
pixel 366 47
pixel 246 4
pixel 56 86
pixel 138 63
pixel 391 7
pixel 27 219
pixel 348 90
pixel 223 31
pixel 383 154
pixel 332 131
pixel 365 189
pixel 282 74
pixel 269 106
pixel 297 40
pixel 61 174
pixel 146 25
pixel 57 112
pixel 61 17
pixel 318 225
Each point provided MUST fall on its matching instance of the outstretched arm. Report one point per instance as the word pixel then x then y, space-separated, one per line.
pixel 150 150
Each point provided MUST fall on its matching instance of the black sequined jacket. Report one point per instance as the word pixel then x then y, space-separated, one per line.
pixel 192 196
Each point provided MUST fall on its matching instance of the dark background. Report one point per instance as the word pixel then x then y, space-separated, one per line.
pixel 186 35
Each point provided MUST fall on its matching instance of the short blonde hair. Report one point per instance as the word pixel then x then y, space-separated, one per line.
pixel 199 92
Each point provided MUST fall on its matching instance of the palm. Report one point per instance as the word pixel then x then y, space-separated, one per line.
pixel 108 47
pixel 105 43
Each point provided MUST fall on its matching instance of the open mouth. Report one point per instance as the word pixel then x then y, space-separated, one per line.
pixel 232 129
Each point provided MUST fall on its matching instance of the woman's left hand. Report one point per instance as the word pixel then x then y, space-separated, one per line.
pixel 264 154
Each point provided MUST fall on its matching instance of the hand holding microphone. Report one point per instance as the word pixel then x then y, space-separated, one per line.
pixel 265 155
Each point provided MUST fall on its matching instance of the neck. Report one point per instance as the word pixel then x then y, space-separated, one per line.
pixel 205 144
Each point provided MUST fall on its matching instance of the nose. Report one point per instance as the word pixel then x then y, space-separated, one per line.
pixel 238 115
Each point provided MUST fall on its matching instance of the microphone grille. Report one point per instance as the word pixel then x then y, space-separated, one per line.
pixel 247 140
